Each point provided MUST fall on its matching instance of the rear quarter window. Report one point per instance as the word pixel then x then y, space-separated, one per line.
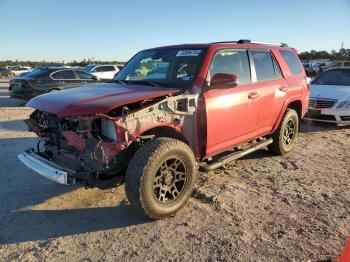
pixel 292 61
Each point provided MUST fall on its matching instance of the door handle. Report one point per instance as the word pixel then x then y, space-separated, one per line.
pixel 253 96
pixel 283 89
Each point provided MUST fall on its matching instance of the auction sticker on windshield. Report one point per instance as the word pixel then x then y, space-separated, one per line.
pixel 188 53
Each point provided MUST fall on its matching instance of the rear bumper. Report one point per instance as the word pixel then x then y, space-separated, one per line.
pixel 20 93
pixel 46 168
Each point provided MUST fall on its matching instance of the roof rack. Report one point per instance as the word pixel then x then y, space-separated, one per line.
pixel 247 41
pixel 225 42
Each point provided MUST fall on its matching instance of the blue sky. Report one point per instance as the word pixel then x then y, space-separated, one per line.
pixel 63 30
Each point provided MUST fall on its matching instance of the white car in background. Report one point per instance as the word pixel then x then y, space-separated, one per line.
pixel 16 71
pixel 102 71
pixel 330 97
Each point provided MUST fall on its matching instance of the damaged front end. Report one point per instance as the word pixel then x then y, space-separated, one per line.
pixel 86 148
pixel 88 145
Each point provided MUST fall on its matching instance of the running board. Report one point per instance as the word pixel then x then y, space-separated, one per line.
pixel 234 156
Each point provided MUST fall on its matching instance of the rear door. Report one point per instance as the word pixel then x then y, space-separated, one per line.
pixel 109 72
pixel 271 87
pixel 231 113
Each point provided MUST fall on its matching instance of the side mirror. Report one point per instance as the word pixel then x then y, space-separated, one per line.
pixel 221 80
pixel 95 77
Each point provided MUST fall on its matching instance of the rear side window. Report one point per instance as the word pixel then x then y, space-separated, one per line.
pixel 231 62
pixel 104 69
pixel 63 74
pixel 264 65
pixel 109 68
pixel 292 61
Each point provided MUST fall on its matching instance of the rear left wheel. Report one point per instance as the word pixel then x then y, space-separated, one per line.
pixel 284 137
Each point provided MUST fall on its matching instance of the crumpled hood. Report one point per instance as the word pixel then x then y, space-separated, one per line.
pixel 330 91
pixel 95 99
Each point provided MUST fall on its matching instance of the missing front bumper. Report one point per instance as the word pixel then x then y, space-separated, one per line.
pixel 46 168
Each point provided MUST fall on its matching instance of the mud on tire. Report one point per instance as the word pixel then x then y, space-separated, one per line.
pixel 160 177
pixel 284 137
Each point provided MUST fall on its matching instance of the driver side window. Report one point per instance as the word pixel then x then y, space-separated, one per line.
pixel 233 62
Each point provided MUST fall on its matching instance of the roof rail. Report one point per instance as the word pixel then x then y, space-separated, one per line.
pixel 225 42
pixel 247 41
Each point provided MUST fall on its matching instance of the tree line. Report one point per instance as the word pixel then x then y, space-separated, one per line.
pixel 342 55
pixel 83 62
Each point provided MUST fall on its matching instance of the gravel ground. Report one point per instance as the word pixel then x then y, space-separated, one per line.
pixel 260 208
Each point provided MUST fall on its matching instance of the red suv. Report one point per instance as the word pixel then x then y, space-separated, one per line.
pixel 169 111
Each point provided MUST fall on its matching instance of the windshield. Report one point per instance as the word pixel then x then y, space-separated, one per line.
pixel 167 67
pixel 334 77
pixel 88 68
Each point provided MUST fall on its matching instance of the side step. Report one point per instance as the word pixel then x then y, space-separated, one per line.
pixel 235 155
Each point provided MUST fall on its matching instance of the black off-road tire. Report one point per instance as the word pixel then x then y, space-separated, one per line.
pixel 145 168
pixel 279 145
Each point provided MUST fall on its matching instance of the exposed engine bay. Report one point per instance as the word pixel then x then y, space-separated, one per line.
pixel 100 144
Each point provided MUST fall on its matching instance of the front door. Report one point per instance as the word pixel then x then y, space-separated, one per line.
pixel 231 113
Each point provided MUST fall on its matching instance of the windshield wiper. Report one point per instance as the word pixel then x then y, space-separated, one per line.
pixel 120 82
pixel 151 83
pixel 142 82
pixel 145 82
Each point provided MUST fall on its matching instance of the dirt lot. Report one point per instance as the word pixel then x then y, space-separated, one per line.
pixel 260 208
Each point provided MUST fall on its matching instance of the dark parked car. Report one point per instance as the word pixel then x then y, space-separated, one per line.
pixel 48 79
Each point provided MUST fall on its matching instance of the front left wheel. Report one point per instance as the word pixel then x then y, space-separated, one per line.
pixel 160 177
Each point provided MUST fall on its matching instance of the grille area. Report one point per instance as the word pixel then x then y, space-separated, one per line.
pixel 320 103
